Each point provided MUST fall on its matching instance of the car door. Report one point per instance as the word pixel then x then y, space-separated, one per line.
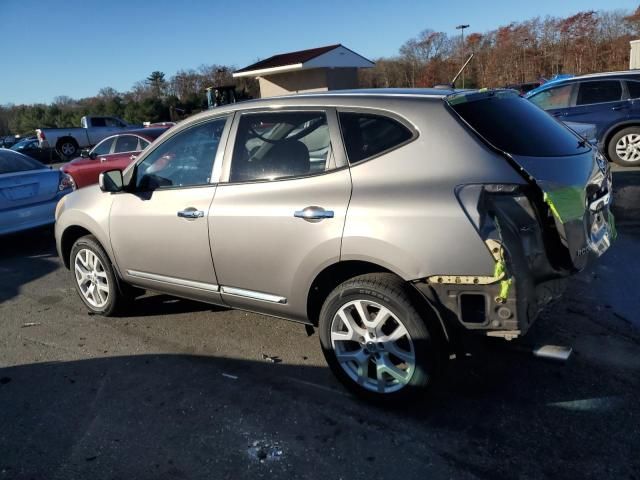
pixel 600 103
pixel 85 170
pixel 279 210
pixel 122 159
pixel 633 93
pixel 158 228
pixel 98 130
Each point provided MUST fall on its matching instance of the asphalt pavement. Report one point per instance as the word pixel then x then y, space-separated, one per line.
pixel 179 389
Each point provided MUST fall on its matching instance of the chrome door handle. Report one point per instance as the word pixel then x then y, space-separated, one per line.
pixel 620 107
pixel 191 213
pixel 313 213
pixel 559 114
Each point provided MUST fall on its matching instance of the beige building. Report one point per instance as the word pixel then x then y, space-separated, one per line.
pixel 634 57
pixel 334 67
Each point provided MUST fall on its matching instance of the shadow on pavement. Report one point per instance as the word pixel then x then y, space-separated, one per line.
pixel 626 198
pixel 25 257
pixel 183 416
pixel 160 305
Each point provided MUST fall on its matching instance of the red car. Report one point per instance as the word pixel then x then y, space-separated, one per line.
pixel 115 152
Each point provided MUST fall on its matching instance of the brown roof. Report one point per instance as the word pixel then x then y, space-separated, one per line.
pixel 290 58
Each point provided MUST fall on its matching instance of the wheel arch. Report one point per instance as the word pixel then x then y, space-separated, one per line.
pixel 68 238
pixel 70 235
pixel 66 138
pixel 335 274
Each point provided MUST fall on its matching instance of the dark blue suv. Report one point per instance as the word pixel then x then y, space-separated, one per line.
pixel 610 101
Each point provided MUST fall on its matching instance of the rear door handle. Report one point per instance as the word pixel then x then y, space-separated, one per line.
pixel 620 107
pixel 313 213
pixel 191 213
pixel 559 114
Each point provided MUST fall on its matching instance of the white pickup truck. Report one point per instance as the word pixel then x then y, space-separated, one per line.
pixel 69 141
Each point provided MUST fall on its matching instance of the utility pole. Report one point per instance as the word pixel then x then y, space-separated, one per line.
pixel 461 28
pixel 524 63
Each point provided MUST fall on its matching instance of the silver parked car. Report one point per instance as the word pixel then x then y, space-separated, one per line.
pixel 392 220
pixel 29 192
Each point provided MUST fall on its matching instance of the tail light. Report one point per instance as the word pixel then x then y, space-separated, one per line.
pixel 66 182
pixel 41 135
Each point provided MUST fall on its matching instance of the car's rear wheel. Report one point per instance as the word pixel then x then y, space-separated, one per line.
pixel 67 147
pixel 375 341
pixel 94 277
pixel 624 147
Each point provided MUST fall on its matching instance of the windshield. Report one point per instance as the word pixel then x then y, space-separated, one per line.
pixel 11 162
pixel 515 125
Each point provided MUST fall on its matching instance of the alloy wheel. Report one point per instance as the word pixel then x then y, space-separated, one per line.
pixel 92 278
pixel 628 147
pixel 68 149
pixel 373 346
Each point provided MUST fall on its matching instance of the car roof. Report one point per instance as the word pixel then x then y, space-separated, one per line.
pixel 623 73
pixel 365 98
pixel 379 92
pixel 147 133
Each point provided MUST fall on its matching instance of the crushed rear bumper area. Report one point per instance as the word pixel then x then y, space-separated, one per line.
pixel 532 261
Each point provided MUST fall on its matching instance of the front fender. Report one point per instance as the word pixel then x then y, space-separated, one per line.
pixel 88 209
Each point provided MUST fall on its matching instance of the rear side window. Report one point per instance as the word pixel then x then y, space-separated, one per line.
pixel 366 135
pixel 11 162
pixel 634 89
pixel 599 92
pixel 126 143
pixel 514 125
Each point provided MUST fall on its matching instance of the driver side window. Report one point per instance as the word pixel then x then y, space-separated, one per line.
pixel 183 160
pixel 104 147
pixel 272 146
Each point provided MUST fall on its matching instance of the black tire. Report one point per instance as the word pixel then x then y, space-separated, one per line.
pixel 116 299
pixel 392 293
pixel 67 148
pixel 613 141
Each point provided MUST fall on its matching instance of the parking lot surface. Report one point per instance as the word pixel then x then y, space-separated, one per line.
pixel 179 389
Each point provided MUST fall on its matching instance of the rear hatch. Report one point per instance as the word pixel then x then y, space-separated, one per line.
pixel 18 189
pixel 571 176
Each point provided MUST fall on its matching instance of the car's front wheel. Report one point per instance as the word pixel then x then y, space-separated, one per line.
pixel 374 339
pixel 94 277
pixel 624 147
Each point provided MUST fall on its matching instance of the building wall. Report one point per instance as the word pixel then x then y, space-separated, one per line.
pixel 634 58
pixel 342 78
pixel 313 80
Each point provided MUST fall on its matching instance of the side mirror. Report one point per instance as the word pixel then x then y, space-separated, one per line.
pixel 84 153
pixel 111 181
pixel 93 155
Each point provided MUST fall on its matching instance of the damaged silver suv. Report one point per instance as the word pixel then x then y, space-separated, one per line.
pixel 391 220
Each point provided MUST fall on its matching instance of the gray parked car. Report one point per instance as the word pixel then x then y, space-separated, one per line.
pixel 392 220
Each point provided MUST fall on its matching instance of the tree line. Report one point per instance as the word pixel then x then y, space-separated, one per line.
pixel 520 52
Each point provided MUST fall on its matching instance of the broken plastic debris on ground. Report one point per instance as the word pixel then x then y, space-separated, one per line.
pixel 265 450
